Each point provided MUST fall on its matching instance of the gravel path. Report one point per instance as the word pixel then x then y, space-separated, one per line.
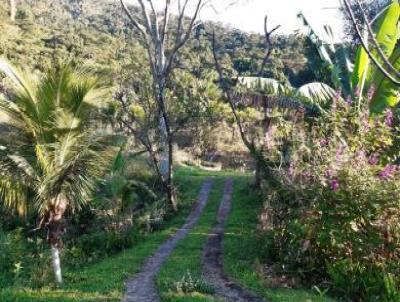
pixel 213 270
pixel 142 288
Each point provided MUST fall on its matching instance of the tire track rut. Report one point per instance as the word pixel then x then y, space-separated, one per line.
pixel 142 287
pixel 213 269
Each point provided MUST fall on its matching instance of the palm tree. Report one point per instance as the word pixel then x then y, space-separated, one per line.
pixel 51 154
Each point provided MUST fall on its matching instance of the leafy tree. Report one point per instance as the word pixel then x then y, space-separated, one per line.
pixel 51 151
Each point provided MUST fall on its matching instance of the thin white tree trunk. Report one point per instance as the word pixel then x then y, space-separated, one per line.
pixel 55 255
pixel 13 9
pixel 164 160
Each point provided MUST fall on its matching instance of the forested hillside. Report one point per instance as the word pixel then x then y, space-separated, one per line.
pixel 98 34
pixel 147 155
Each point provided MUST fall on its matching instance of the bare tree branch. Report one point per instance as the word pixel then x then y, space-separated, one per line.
pixel 143 136
pixel 140 27
pixel 229 96
pixel 166 21
pixel 146 18
pixel 267 44
pixel 155 33
pixel 181 10
pixel 155 21
pixel 180 41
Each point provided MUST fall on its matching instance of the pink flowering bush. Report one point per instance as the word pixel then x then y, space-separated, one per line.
pixel 337 212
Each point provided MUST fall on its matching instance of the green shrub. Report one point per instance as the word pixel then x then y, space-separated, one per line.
pixel 94 246
pixel 23 260
pixel 12 249
pixel 336 216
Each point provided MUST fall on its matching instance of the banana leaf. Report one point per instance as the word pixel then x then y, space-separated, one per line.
pixel 264 85
pixel 387 35
pixel 387 29
pixel 361 67
pixel 316 93
pixel 387 93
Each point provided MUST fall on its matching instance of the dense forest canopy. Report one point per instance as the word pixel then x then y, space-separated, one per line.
pixel 98 34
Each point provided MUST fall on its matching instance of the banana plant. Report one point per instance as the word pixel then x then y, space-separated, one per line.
pixel 367 76
pixel 335 56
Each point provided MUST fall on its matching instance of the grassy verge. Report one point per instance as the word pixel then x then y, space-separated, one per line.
pixel 242 250
pixel 104 281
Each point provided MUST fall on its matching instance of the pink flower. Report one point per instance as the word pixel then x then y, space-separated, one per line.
pixel 307 175
pixel 340 152
pixel 389 118
pixel 328 173
pixel 388 172
pixel 291 170
pixel 334 184
pixel 374 159
pixel 323 142
pixel 360 154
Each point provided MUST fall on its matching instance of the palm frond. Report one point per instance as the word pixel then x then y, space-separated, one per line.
pixel 316 93
pixel 264 85
pixel 78 163
pixel 16 176
pixel 24 92
pixel 14 194
pixel 23 164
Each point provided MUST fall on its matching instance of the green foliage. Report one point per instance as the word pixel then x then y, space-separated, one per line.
pixel 314 94
pixel 360 69
pixel 23 261
pixel 387 35
pixel 264 85
pixel 244 250
pixel 188 285
pixel 54 151
pixel 365 77
pixel 334 57
pixel 387 93
pixel 336 215
pixel 94 246
pixel 386 29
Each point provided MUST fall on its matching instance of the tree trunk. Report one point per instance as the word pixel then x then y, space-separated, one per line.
pixel 55 256
pixel 166 158
pixel 164 147
pixel 56 229
pixel 257 176
pixel 13 10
